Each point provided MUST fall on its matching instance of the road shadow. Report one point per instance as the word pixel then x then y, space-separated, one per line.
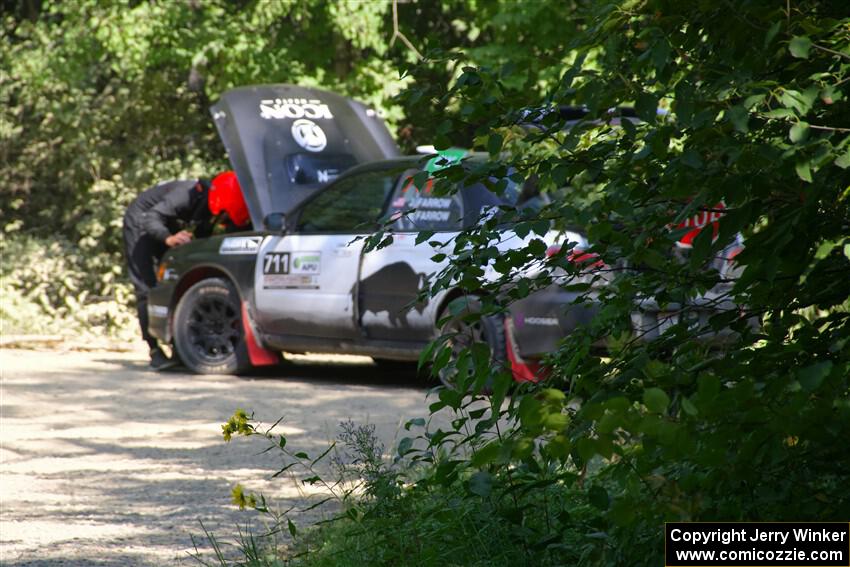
pixel 397 375
pixel 389 375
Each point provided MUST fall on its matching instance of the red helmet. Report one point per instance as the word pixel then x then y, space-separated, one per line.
pixel 226 195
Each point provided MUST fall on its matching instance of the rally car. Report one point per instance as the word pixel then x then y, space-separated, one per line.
pixel 317 171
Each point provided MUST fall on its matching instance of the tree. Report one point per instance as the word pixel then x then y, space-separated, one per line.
pixel 744 107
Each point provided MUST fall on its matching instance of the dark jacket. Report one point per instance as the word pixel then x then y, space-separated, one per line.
pixel 170 207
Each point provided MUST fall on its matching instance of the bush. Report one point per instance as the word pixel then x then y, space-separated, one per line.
pixel 46 290
pixel 414 510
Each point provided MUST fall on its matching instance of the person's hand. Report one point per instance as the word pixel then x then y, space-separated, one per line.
pixel 178 239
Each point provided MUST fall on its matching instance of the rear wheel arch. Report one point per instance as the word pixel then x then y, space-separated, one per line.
pixel 488 329
pixel 450 296
pixel 194 276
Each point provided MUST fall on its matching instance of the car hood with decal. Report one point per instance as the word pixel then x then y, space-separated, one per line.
pixel 319 173
pixel 285 142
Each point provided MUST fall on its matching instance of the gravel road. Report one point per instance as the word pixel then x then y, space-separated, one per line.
pixel 104 462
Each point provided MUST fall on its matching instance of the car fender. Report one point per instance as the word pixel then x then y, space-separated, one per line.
pixel 232 257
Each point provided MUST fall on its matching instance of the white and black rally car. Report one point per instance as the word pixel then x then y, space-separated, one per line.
pixel 317 171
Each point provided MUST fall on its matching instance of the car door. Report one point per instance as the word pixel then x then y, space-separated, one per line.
pixel 306 281
pixel 392 277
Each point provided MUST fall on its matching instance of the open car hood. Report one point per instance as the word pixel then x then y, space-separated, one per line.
pixel 285 142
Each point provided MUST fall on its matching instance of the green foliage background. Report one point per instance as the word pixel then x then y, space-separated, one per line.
pixel 101 99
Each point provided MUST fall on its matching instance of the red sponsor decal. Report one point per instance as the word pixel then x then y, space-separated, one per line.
pixel 699 221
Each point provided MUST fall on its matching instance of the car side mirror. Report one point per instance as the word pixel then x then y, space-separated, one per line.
pixel 275 222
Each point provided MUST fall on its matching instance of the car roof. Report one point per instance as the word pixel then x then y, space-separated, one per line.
pixel 418 161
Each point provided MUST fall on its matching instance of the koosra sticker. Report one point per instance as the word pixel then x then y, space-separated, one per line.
pixel 281 108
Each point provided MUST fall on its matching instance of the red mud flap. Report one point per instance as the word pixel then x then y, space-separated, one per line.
pixel 258 355
pixel 522 370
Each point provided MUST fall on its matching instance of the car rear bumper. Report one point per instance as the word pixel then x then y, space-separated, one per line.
pixel 650 320
pixel 539 321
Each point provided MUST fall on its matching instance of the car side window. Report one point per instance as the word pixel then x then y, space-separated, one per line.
pixel 419 209
pixel 353 204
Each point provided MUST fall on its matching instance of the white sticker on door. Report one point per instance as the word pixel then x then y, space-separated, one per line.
pixel 291 270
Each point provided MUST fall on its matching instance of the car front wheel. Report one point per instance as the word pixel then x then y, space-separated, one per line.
pixel 208 333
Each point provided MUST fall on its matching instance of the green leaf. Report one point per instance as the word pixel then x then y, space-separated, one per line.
pixel 780 113
pixel 586 448
pixel 553 396
pixel 622 512
pixel 494 144
pixel 753 101
pixel 701 247
pixel 804 170
pixel 404 446
pixel 423 236
pixel 598 497
pixel 486 454
pixel 691 159
pixel 481 483
pixel 660 53
pixel 771 33
pixel 799 132
pixel 800 46
pixel 529 411
pixel 811 377
pixel 739 117
pixel 826 248
pixel 656 400
pixel 559 446
pixel 523 448
pixel 556 421
pixel 708 387
pixel 646 107
pixel 688 407
pixel 800 101
pixel 293 531
pixel 843 161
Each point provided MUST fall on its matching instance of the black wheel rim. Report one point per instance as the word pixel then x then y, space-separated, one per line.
pixel 214 329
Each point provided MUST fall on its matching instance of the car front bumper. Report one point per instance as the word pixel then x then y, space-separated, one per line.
pixel 159 311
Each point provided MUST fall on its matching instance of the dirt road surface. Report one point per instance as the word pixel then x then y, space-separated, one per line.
pixel 103 462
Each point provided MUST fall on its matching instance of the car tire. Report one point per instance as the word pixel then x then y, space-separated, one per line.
pixel 208 332
pixel 489 329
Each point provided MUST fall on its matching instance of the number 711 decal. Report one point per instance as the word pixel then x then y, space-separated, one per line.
pixel 301 263
pixel 276 263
